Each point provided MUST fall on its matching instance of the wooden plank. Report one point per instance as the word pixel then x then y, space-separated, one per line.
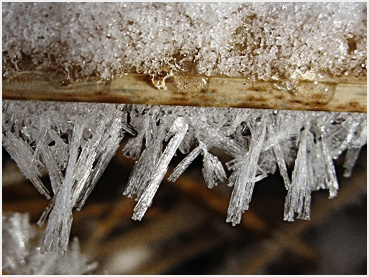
pixel 341 95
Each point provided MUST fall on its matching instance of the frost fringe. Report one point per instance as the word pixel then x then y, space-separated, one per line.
pixel 21 251
pixel 76 141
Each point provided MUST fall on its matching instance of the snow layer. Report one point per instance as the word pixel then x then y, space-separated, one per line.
pixel 258 40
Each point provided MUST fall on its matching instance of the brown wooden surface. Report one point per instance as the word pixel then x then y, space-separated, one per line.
pixel 342 95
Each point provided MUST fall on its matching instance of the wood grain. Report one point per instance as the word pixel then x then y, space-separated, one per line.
pixel 340 95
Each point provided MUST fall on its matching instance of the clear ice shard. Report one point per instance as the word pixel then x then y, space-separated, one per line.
pixel 22 154
pixel 354 147
pixel 182 166
pixel 299 195
pixel 244 176
pixel 179 129
pixel 21 251
pixel 212 170
pixel 278 154
pixel 76 141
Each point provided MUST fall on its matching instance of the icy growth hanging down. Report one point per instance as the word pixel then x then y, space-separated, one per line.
pixel 21 251
pixel 260 141
pixel 179 129
pixel 245 173
pixel 74 141
pixel 298 196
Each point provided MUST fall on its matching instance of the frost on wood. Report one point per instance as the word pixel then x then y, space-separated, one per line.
pixel 75 142
pixel 21 251
pixel 259 141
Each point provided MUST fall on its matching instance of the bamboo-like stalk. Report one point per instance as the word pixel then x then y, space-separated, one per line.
pixel 340 94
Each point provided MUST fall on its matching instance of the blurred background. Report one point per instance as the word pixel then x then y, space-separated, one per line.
pixel 184 231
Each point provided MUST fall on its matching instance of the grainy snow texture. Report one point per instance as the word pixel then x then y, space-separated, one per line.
pixel 75 142
pixel 21 251
pixel 258 40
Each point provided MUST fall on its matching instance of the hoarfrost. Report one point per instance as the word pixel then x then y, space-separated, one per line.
pixel 179 128
pixel 75 142
pixel 298 196
pixel 244 175
pixel 21 251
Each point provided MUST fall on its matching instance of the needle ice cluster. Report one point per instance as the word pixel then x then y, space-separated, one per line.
pixel 75 142
pixel 259 40
pixel 21 251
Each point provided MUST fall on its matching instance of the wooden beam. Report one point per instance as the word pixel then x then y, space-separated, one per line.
pixel 341 95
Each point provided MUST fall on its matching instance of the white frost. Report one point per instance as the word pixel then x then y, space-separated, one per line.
pixel 75 142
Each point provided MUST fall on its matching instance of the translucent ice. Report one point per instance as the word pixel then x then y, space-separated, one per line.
pixel 75 142
pixel 244 175
pixel 21 251
pixel 179 129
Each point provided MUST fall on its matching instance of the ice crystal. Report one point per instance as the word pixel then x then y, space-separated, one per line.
pixel 179 128
pixel 298 196
pixel 75 142
pixel 264 40
pixel 245 174
pixel 21 251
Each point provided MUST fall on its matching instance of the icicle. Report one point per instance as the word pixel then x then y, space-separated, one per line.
pixel 298 197
pixel 179 128
pixel 350 160
pixel 109 146
pixel 90 152
pixel 56 235
pixel 23 155
pixel 244 176
pixel 331 182
pixel 354 148
pixel 213 170
pixel 76 138
pixel 144 168
pixel 278 154
pixel 182 166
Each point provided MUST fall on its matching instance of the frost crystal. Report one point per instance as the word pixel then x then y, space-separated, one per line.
pixel 298 197
pixel 21 253
pixel 75 142
pixel 245 174
pixel 179 128
pixel 265 40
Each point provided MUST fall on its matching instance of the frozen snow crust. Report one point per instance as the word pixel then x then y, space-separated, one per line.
pixel 76 141
pixel 256 40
